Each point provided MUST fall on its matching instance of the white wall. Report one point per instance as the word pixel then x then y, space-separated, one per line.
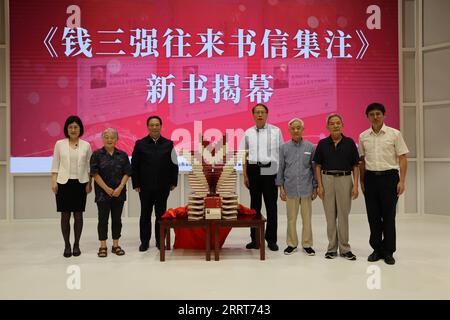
pixel 425 113
pixel 4 111
pixel 425 96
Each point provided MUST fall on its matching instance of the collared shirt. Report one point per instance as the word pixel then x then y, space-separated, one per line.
pixel 263 145
pixel 344 156
pixel 296 172
pixel 381 150
pixel 111 169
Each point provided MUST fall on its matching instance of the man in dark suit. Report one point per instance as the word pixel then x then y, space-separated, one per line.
pixel 155 174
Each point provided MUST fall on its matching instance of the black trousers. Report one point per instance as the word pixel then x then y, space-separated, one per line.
pixel 150 199
pixel 113 206
pixel 381 201
pixel 263 186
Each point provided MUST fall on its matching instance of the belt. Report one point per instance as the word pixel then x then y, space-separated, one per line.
pixel 264 165
pixel 261 164
pixel 383 173
pixel 336 173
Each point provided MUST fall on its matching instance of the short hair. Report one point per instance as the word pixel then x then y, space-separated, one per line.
pixel 296 120
pixel 71 119
pixel 260 105
pixel 334 115
pixel 154 117
pixel 110 130
pixel 375 106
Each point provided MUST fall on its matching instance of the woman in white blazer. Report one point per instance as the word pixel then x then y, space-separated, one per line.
pixel 71 181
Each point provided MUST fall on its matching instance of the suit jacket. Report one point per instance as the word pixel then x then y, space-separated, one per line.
pixel 61 160
pixel 154 165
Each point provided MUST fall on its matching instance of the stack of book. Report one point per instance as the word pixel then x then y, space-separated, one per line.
pixel 213 176
pixel 197 180
pixel 228 178
pixel 196 207
pixel 229 205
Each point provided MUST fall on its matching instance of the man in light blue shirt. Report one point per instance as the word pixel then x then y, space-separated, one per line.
pixel 298 186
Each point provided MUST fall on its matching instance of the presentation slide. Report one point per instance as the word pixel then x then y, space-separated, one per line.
pixel 200 65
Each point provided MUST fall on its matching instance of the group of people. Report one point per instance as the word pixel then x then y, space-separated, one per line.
pixel 298 169
pixel 154 173
pixel 331 171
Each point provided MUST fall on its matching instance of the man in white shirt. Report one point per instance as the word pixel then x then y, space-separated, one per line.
pixel 383 154
pixel 262 145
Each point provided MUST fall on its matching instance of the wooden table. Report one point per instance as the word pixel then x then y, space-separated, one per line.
pixel 243 221
pixel 166 224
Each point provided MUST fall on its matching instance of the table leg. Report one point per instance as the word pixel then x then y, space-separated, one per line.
pixel 168 240
pixel 162 248
pixel 258 237
pixel 208 242
pixel 216 242
pixel 262 246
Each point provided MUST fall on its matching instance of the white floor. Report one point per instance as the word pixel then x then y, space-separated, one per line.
pixel 32 266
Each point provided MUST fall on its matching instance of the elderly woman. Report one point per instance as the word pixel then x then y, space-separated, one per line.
pixel 70 180
pixel 111 169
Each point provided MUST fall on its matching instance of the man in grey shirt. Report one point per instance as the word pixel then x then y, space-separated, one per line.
pixel 298 186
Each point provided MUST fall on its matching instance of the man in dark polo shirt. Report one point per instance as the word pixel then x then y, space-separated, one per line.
pixel 155 174
pixel 336 159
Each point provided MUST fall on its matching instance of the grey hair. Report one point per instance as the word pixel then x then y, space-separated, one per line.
pixel 110 130
pixel 296 120
pixel 332 116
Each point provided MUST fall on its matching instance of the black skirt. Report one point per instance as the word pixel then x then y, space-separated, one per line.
pixel 71 197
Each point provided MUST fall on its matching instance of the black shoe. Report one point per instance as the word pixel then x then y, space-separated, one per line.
pixel 143 248
pixel 273 246
pixel 330 255
pixel 76 251
pixel 309 251
pixel 252 245
pixel 67 252
pixel 290 250
pixel 348 255
pixel 389 259
pixel 375 256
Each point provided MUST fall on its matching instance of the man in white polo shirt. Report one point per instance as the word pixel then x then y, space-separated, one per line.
pixel 383 154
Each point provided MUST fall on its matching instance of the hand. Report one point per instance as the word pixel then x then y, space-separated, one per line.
pixel 172 187
pixel 282 195
pixel 109 191
pixel 354 192
pixel 55 187
pixel 117 191
pixel 246 182
pixel 137 189
pixel 314 193
pixel 400 188
pixel 320 192
pixel 88 188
